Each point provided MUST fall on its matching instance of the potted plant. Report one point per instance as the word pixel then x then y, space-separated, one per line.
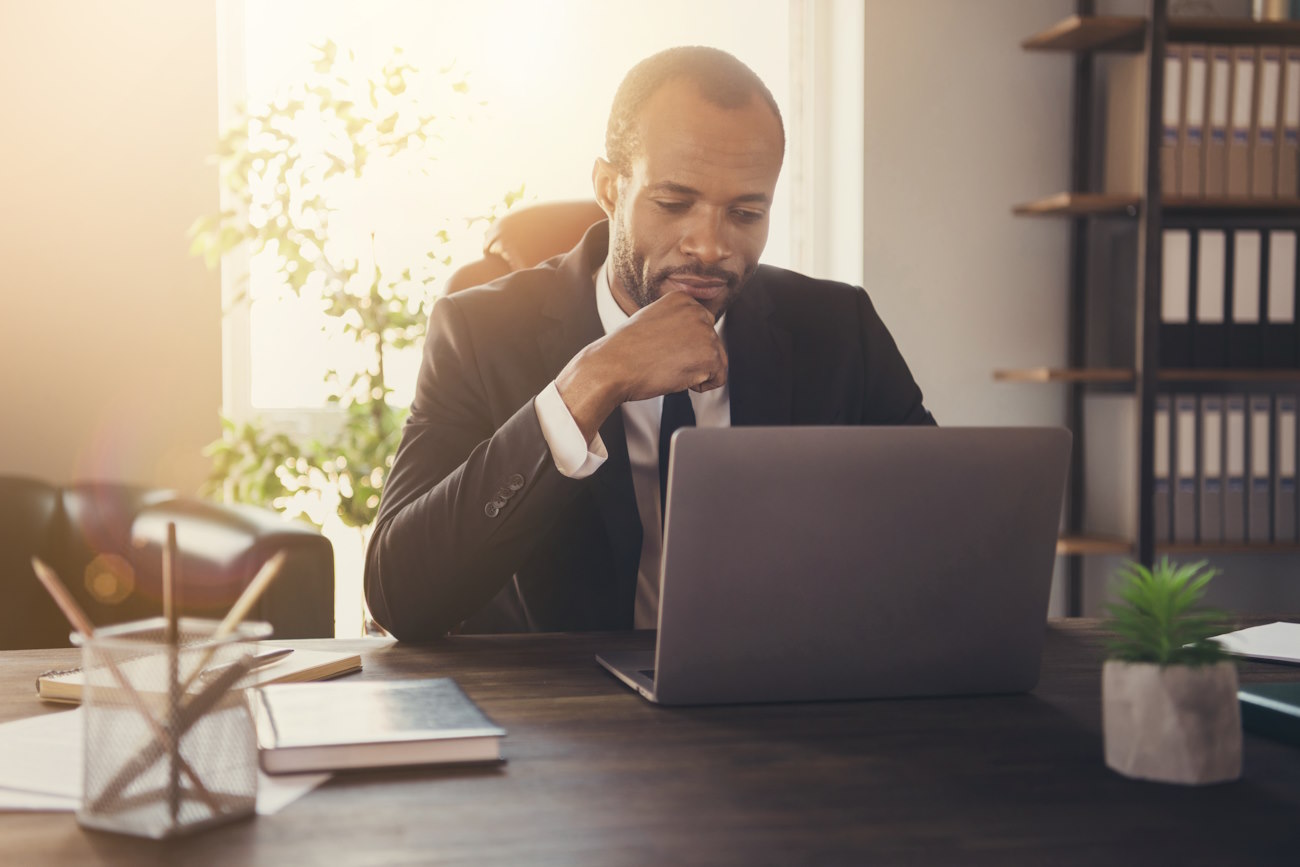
pixel 1169 691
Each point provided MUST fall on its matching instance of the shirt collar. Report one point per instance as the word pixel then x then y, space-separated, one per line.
pixel 612 316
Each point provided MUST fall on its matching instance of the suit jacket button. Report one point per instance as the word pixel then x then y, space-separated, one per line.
pixel 492 509
pixel 504 493
pixel 515 482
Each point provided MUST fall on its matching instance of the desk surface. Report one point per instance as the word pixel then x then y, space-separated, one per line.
pixel 596 775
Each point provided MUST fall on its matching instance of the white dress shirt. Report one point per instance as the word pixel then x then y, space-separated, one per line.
pixel 578 459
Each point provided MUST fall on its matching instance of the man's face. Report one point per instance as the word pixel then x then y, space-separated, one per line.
pixel 693 214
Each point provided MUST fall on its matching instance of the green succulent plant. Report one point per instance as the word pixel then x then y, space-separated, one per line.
pixel 1158 621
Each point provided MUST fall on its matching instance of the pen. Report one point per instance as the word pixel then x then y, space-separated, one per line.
pixel 260 660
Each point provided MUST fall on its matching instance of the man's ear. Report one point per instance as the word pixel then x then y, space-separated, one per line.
pixel 604 182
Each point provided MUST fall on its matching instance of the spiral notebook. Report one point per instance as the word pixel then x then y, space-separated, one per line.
pixel 298 667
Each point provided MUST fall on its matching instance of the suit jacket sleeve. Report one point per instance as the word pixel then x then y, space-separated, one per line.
pixel 891 394
pixel 472 488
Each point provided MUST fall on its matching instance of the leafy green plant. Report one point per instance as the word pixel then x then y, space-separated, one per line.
pixel 295 172
pixel 1157 621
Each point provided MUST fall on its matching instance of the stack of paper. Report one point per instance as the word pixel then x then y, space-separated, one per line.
pixel 40 768
pixel 1276 642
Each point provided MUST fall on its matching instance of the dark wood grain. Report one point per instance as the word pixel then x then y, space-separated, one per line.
pixel 596 775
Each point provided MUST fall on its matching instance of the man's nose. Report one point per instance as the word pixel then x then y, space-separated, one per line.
pixel 706 239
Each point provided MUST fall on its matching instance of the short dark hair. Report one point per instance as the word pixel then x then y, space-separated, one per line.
pixel 722 79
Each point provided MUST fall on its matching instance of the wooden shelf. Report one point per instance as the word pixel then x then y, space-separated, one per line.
pixel 1216 375
pixel 1056 374
pixel 1123 205
pixel 1082 545
pixel 1115 546
pixel 1128 33
pixel 1081 205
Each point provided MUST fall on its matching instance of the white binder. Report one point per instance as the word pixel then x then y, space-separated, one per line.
pixel 1211 510
pixel 1185 468
pixel 1288 138
pixel 1241 113
pixel 1191 159
pixel 1216 127
pixel 1234 465
pixel 1259 519
pixel 1284 499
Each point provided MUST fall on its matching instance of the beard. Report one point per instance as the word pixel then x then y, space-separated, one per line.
pixel 644 288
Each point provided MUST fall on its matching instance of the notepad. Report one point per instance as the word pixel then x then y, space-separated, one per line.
pixel 371 724
pixel 1274 642
pixel 297 667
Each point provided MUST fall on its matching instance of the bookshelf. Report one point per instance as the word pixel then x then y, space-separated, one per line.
pixel 1085 35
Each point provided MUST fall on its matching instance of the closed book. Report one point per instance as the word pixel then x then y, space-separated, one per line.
pixel 1259 504
pixel 1263 130
pixel 1175 299
pixel 1284 493
pixel 1162 507
pixel 296 667
pixel 1240 114
pixel 1210 333
pixel 1219 83
pixel 1245 348
pixel 1279 315
pixel 371 724
pixel 1271 710
pixel 1191 128
pixel 1234 468
pixel 1288 136
pixel 1211 469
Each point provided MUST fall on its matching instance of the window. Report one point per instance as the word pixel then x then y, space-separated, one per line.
pixel 540 77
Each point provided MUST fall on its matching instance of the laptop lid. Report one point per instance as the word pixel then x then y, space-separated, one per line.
pixel 805 563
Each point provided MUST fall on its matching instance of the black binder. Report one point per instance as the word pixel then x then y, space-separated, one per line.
pixel 1279 312
pixel 1176 299
pixel 1245 348
pixel 1209 285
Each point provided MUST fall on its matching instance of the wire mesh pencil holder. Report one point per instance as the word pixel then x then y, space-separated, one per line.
pixel 169 743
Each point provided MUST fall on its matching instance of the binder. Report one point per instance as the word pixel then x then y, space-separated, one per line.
pixel 1185 468
pixel 1234 465
pixel 1263 132
pixel 1244 345
pixel 1279 327
pixel 1211 510
pixel 1288 136
pixel 1175 299
pixel 1284 504
pixel 1161 507
pixel 1191 129
pixel 1240 114
pixel 1170 156
pixel 1210 333
pixel 1215 141
pixel 1259 506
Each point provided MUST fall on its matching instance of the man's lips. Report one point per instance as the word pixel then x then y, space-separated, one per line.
pixel 696 287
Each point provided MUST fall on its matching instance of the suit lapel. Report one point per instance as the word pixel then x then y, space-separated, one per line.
pixel 575 323
pixel 758 352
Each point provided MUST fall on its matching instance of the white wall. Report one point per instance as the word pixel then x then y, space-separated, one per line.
pixel 110 336
pixel 960 125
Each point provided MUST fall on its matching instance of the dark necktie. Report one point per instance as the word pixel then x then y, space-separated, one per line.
pixel 677 412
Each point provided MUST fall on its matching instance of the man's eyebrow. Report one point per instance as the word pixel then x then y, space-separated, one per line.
pixel 683 190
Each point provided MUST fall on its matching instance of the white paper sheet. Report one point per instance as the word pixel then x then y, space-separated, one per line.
pixel 1278 642
pixel 40 768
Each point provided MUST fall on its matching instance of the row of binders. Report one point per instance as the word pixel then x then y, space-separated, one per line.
pixel 1228 299
pixel 1230 124
pixel 1233 473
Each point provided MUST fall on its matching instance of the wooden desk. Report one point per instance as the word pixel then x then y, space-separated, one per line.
pixel 596 775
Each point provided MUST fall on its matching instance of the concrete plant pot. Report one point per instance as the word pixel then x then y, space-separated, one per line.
pixel 1172 724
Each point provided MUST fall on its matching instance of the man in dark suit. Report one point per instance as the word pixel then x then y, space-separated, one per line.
pixel 527 490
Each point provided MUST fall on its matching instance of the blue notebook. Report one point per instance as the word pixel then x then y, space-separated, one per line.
pixel 1272 710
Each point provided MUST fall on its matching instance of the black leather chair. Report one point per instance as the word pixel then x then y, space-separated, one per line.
pixel 105 541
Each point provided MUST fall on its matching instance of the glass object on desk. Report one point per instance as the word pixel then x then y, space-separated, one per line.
pixel 169 742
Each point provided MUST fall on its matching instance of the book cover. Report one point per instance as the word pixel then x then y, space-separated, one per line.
pixel 371 724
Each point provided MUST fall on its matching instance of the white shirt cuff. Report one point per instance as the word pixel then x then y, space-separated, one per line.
pixel 572 455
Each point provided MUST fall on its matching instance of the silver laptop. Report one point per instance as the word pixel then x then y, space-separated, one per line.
pixel 812 563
